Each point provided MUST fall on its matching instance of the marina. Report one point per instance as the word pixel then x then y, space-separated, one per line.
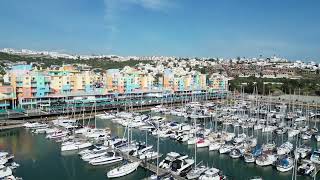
pixel 206 133
pixel 159 90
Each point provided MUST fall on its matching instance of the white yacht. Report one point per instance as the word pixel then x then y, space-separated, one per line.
pixel 171 156
pixel 306 135
pixel 226 148
pixel 34 125
pixel 269 128
pixel 149 155
pixel 109 158
pixel 268 146
pixel 249 158
pixel 239 139
pixel 57 135
pixel 123 170
pixel 266 160
pixel 215 146
pixel 93 154
pixel 306 169
pixel 201 143
pixel 315 157
pixel 191 140
pixel 196 172
pixel 179 167
pixel 98 133
pixel 75 146
pixel 235 153
pixel 285 148
pixel 302 151
pixel 95 148
pixel 293 132
pixel 285 164
pixel 211 174
pixel 5 172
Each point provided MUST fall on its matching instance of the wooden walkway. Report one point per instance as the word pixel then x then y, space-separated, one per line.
pixel 10 127
pixel 149 166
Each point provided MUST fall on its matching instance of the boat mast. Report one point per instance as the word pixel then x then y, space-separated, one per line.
pixel 158 149
pixel 95 113
pixel 195 144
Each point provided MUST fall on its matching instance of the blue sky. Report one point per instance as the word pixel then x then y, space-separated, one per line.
pixel 216 28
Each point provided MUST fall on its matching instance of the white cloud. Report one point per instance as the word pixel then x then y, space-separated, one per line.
pixel 114 8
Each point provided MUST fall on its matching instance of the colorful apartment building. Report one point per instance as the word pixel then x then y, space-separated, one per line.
pixel 27 83
pixel 7 96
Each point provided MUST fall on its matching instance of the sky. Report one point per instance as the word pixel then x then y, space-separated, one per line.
pixel 201 28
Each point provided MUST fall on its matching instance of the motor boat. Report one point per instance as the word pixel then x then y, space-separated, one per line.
pixel 266 160
pixel 302 151
pixel 171 156
pixel 212 174
pixel 201 143
pixel 76 146
pixel 285 164
pixel 57 135
pixel 235 153
pixel 183 138
pixel 269 128
pixel 214 146
pixel 106 116
pixel 228 136
pixel 95 148
pixel 315 157
pixel 306 135
pixel 293 132
pixel 181 166
pixel 258 126
pixel 285 148
pixel 226 148
pixel 34 125
pixel 123 170
pixel 149 155
pixel 306 169
pixel 196 172
pixel 239 139
pixel 251 142
pixel 191 140
pixel 140 150
pixel 129 147
pixel 109 158
pixel 40 130
pixel 93 154
pixel 281 130
pixel 97 133
pixel 268 147
pixel 256 178
pixel 5 172
pixel 249 158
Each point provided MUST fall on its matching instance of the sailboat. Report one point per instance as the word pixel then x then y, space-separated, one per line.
pixel 198 170
pixel 123 170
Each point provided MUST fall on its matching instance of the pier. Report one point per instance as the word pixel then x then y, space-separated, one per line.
pixel 149 166
pixel 7 127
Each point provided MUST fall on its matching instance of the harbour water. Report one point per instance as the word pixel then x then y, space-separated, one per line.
pixel 40 158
